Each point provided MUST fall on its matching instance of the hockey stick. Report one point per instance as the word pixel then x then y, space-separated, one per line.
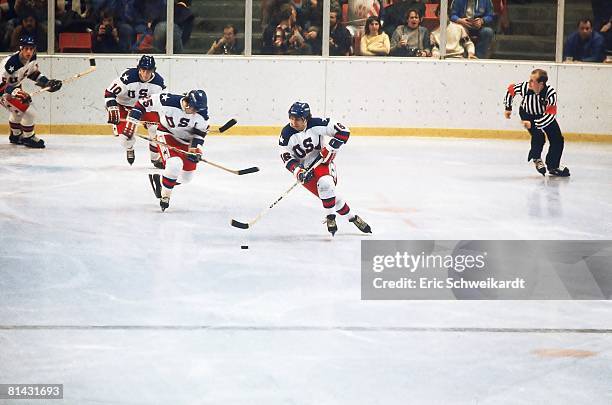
pixel 92 68
pixel 220 130
pixel 217 165
pixel 247 225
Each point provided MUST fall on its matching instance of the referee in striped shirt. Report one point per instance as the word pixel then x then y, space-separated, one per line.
pixel 538 110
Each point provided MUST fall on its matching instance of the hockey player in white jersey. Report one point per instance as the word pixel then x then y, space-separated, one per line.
pixel 303 142
pixel 183 124
pixel 123 93
pixel 15 69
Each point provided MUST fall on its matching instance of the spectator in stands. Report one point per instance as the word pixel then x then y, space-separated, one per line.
pixel 107 35
pixel 7 24
pixel 227 44
pixel 29 27
pixel 183 26
pixel 312 35
pixel 475 16
pixel 395 14
pixel 458 42
pixel 411 39
pixel 602 22
pixel 340 39
pixel 311 15
pixel 584 45
pixel 374 42
pixel 25 8
pixel 288 39
pixel 73 16
pixel 117 9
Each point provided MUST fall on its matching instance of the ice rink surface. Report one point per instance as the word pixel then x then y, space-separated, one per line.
pixel 124 304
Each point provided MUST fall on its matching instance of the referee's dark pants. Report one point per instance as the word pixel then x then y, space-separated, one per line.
pixel 553 132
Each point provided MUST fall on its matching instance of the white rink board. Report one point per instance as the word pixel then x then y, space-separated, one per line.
pixel 409 93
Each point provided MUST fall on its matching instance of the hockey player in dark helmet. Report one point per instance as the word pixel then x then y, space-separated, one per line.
pixel 15 69
pixel 123 93
pixel 313 142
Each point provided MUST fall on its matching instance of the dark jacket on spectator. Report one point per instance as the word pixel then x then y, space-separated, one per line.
pixel 342 40
pixel 482 9
pixel 591 50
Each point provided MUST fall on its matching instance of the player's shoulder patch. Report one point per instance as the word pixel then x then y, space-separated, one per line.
pixel 317 122
pixel 286 134
pixel 158 80
pixel 170 100
pixel 13 64
pixel 129 76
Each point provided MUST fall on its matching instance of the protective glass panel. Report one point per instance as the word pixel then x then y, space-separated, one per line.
pixel 287 28
pixel 209 27
pixel 525 30
pixel 587 31
pixel 23 18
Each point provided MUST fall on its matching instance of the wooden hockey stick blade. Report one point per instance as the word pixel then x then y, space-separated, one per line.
pixel 239 224
pixel 247 171
pixel 227 125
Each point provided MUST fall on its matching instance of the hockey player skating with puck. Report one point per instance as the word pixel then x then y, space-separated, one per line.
pixel 15 69
pixel 183 124
pixel 302 142
pixel 123 93
pixel 538 111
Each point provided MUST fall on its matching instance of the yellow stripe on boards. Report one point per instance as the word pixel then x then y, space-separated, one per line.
pixel 253 130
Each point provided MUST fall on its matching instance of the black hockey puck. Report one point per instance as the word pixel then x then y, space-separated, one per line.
pixel 244 247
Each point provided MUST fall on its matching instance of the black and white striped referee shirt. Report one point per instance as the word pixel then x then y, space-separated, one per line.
pixel 542 106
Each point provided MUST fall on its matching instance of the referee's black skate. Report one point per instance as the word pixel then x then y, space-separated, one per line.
pixel 330 220
pixel 130 155
pixel 560 171
pixel 540 167
pixel 361 224
pixel 156 184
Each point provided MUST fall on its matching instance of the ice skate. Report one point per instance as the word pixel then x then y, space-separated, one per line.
pixel 156 184
pixel 131 156
pixel 164 203
pixel 540 167
pixel 158 163
pixel 330 220
pixel 560 171
pixel 361 224
pixel 15 139
pixel 33 142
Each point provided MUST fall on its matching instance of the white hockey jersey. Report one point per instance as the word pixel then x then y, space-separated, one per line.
pixel 302 147
pixel 128 88
pixel 14 72
pixel 172 119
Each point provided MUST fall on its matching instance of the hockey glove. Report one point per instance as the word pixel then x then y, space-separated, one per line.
pixel 54 85
pixel 130 127
pixel 113 114
pixel 21 96
pixel 194 155
pixel 303 175
pixel 327 155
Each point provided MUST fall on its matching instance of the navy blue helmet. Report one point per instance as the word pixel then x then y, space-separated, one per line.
pixel 197 100
pixel 300 110
pixel 146 62
pixel 27 40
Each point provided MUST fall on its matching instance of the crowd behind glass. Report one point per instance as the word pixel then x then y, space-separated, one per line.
pixel 476 29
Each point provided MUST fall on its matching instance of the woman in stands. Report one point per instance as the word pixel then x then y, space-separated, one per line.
pixel 374 42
